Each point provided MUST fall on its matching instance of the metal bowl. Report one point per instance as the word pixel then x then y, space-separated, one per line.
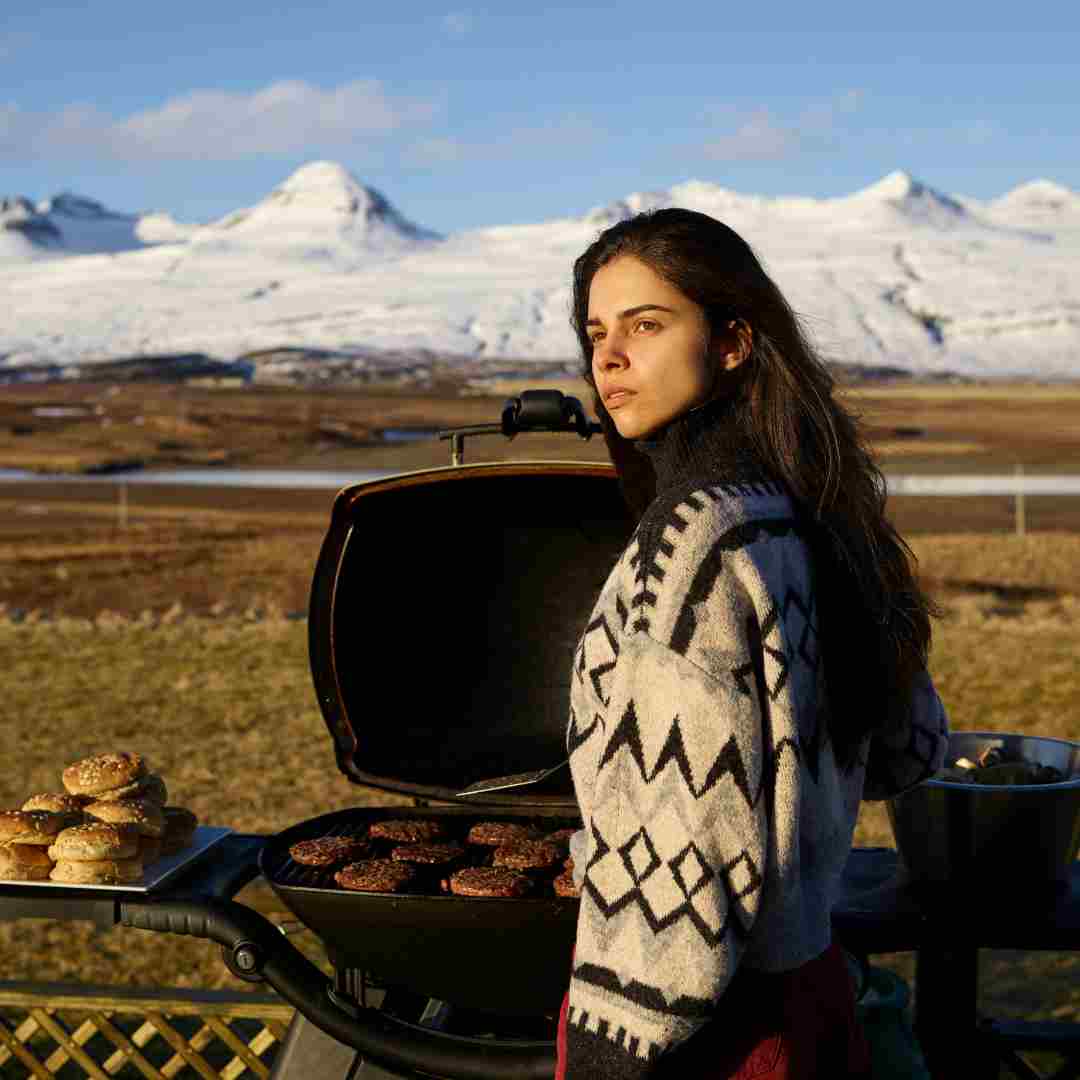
pixel 1016 836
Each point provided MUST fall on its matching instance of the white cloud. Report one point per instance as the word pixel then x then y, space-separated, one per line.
pixel 289 116
pixel 761 135
pixel 457 23
pixel 757 137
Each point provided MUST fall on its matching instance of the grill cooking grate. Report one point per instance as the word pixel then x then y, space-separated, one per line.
pixel 283 870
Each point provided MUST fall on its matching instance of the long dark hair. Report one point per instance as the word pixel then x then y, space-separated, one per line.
pixel 873 616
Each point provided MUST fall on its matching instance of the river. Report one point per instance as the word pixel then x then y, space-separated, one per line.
pixel 898 484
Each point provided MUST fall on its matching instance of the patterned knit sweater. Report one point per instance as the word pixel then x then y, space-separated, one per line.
pixel 716 820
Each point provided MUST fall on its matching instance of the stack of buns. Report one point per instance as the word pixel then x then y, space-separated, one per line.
pixel 105 828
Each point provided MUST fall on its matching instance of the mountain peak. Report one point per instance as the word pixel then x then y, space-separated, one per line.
pixel 320 176
pixel 896 185
pixel 68 204
pixel 903 193
pixel 321 210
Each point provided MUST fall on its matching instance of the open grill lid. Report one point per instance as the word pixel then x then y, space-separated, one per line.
pixel 445 609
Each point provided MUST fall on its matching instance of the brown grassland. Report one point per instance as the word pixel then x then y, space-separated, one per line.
pixel 177 626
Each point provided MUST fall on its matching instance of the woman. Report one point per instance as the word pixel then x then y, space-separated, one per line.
pixel 754 666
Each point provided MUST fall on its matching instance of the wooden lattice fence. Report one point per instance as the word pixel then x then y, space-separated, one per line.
pixel 65 1031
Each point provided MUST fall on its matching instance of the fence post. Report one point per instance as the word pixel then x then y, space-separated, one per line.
pixel 1019 501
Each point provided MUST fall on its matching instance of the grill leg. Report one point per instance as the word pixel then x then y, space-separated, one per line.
pixel 309 1053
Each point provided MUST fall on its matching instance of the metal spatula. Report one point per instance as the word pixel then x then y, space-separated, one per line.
pixel 502 783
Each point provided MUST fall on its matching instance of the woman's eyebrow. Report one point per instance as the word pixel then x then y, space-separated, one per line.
pixel 634 311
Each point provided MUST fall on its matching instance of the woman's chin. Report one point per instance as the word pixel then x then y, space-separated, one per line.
pixel 629 429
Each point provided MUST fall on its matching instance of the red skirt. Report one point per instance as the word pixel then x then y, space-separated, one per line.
pixel 789 1025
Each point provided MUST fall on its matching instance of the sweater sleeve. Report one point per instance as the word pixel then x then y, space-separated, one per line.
pixel 676 846
pixel 914 752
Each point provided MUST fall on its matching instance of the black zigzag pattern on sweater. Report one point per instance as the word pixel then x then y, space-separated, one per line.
pixel 728 761
pixel 711 567
pixel 577 735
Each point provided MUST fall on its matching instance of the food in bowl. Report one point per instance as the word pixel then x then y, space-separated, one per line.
pixel 998 766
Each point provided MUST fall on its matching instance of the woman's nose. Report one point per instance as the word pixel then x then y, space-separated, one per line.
pixel 606 356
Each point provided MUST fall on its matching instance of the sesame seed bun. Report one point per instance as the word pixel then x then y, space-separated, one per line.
pixel 103 772
pixel 146 816
pixel 57 802
pixel 33 826
pixel 98 872
pixel 150 787
pixel 91 842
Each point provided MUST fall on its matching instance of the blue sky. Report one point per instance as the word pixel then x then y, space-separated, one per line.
pixel 480 115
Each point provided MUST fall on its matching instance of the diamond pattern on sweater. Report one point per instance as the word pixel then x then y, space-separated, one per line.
pixel 690 870
pixel 639 856
pixel 788 633
pixel 799 619
pixel 669 888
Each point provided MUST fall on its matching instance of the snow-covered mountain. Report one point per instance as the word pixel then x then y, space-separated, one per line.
pixel 70 224
pixel 24 232
pixel 895 274
pixel 320 213
pixel 1039 204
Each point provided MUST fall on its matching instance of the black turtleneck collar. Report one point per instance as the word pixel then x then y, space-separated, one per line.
pixel 704 445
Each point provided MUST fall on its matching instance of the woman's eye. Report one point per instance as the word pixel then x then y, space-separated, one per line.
pixel 595 338
pixel 651 322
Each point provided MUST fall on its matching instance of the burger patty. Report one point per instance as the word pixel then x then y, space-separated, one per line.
pixel 329 850
pixel 527 855
pixel 490 881
pixel 376 875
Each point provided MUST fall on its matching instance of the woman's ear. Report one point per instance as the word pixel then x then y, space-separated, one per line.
pixel 736 344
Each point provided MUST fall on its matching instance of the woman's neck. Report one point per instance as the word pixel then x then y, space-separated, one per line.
pixel 702 445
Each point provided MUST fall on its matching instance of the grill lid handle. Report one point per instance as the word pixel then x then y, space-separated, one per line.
pixel 533 410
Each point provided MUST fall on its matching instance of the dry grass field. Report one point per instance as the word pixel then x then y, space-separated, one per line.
pixel 75 427
pixel 179 629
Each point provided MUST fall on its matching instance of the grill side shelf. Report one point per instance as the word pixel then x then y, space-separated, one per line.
pixel 227 869
pixel 220 875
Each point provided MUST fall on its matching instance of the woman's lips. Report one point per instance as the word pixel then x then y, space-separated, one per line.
pixel 620 397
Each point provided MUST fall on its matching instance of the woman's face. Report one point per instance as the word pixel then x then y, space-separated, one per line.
pixel 650 347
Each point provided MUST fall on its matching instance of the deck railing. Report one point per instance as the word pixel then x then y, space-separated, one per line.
pixel 49 1030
